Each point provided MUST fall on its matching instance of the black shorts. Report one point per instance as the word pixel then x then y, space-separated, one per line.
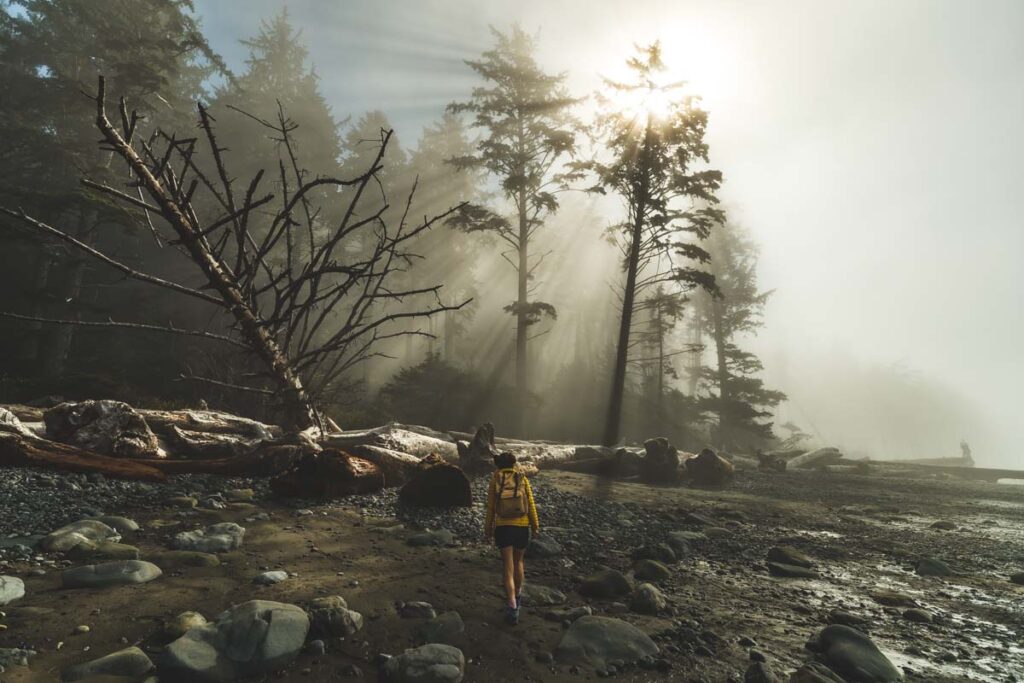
pixel 516 536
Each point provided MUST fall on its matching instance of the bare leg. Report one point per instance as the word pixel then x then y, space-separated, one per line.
pixel 519 558
pixel 508 575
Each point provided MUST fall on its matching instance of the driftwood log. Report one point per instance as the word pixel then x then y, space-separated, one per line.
pixel 19 450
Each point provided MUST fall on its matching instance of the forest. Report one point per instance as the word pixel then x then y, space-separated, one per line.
pixel 445 280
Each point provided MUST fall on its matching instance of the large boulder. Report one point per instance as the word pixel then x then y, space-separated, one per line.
pixel 595 641
pixel 110 574
pixel 11 588
pixel 90 551
pixel 432 663
pixel 83 531
pixel 250 639
pixel 651 570
pixel 105 427
pixel 477 456
pixel 647 599
pixel 130 663
pixel 660 464
pixel 437 484
pixel 536 595
pixel 330 617
pixel 216 538
pixel 446 627
pixel 328 474
pixel 606 583
pixel 854 656
pixel 707 468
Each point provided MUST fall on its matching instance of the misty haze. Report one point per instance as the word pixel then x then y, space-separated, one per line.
pixel 445 341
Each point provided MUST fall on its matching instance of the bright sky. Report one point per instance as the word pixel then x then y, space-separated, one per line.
pixel 873 149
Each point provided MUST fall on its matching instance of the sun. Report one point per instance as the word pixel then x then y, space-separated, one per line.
pixel 653 101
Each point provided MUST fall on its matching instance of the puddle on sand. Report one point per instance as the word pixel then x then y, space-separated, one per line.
pixel 984 669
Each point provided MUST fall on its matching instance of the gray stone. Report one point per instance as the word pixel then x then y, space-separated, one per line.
pixel 647 599
pixel 893 599
pixel 607 583
pixel 1017 578
pixel 432 663
pixel 269 578
pixel 119 573
pixel 174 559
pixel 660 552
pixel 438 537
pixel 417 610
pixel 250 639
pixel 918 615
pixel 758 672
pixel 542 596
pixel 854 656
pixel 90 551
pixel 106 427
pixel 928 566
pixel 790 556
pixel 651 570
pixel 240 495
pixel 128 663
pixel 330 617
pixel 122 525
pixel 444 628
pixel 681 542
pixel 791 572
pixel 14 656
pixel 597 641
pixel 814 672
pixel 216 538
pixel 569 614
pixel 943 525
pixel 543 546
pixel 68 536
pixel 180 625
pixel 11 588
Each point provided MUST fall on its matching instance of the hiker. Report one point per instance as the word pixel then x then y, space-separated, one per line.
pixel 511 515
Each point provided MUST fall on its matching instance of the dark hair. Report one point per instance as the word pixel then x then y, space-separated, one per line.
pixel 504 460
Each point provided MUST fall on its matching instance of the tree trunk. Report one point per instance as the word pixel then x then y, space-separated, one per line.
pixel 614 421
pixel 297 411
pixel 522 376
pixel 722 371
pixel 17 450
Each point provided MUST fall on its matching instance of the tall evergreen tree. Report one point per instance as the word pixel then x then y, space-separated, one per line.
pixel 655 139
pixel 733 392
pixel 526 131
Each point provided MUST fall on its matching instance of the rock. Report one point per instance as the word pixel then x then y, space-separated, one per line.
pixel 943 525
pixel 128 663
pixel 931 567
pixel 1017 578
pixel 418 610
pixel 438 537
pixel 89 551
pixel 330 617
pixel 846 619
pixel 597 641
pixel 854 656
pixel 433 663
pixel 11 588
pixel 216 538
pixel 250 639
pixel 270 578
pixel 14 656
pixel 647 599
pixel 80 630
pixel 918 615
pixel 477 456
pixel 180 625
pixel 758 672
pixel 568 614
pixel 660 464
pixel 173 559
pixel 67 537
pixel 790 556
pixel 105 427
pixel 122 525
pixel 437 483
pixel 708 468
pixel 813 672
pixel 120 573
pixel 316 647
pixel 240 495
pixel 444 628
pixel 607 583
pixel 542 596
pixel 790 572
pixel 893 599
pixel 330 473
pixel 714 532
pixel 185 502
pixel 543 546
pixel 681 541
pixel 651 570
pixel 661 552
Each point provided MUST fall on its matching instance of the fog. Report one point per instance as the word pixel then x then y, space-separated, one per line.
pixel 872 149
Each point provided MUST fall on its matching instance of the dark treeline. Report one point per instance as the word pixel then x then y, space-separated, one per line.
pixel 608 294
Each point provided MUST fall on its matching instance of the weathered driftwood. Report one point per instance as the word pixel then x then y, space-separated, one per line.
pixel 18 450
pixel 328 474
pixel 437 484
pixel 398 467
pixel 816 458
pixel 419 443
pixel 164 422
pixel 707 468
pixel 477 454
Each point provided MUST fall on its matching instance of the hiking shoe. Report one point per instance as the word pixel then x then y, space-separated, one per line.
pixel 512 615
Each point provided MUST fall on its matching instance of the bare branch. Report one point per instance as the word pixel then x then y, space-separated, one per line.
pixel 169 329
